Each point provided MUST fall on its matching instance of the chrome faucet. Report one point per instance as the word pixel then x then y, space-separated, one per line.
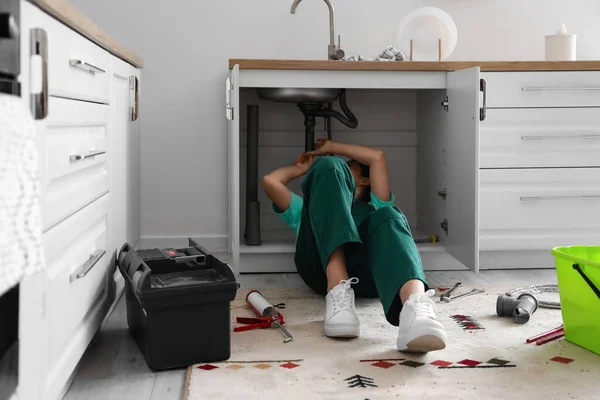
pixel 334 52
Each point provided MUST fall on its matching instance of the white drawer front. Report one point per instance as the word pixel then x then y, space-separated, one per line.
pixel 88 79
pixel 543 89
pixel 537 209
pixel 71 175
pixel 540 137
pixel 77 262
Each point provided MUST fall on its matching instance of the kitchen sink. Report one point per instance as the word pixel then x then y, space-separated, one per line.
pixel 299 95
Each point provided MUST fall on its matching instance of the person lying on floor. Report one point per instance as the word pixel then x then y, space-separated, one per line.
pixel 346 226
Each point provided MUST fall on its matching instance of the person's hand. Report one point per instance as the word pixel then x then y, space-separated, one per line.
pixel 303 162
pixel 323 147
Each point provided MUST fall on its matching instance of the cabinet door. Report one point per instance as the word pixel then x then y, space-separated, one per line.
pixel 33 323
pixel 125 161
pixel 232 110
pixel 462 174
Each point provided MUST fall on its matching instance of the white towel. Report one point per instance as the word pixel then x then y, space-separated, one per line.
pixel 20 215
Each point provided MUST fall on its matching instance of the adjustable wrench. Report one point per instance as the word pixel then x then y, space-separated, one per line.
pixel 449 292
pixel 472 292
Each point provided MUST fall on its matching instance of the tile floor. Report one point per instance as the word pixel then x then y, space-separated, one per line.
pixel 114 368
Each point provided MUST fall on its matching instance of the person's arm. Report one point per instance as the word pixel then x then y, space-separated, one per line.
pixel 373 158
pixel 275 182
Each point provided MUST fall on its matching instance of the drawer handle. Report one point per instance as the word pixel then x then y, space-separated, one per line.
pixel 134 98
pixel 82 271
pixel 483 88
pixel 560 137
pixel 78 157
pixel 560 198
pixel 92 69
pixel 39 49
pixel 541 89
pixel 228 100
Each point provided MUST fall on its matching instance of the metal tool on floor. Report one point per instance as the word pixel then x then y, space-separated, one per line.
pixel 519 308
pixel 429 239
pixel 449 292
pixel 472 292
pixel 547 337
pixel 267 315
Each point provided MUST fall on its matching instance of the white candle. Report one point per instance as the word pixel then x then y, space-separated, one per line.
pixel 562 46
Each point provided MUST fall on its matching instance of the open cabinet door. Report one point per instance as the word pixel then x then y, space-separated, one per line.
pixel 462 173
pixel 232 110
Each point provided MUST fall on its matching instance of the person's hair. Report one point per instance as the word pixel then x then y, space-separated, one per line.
pixel 365 171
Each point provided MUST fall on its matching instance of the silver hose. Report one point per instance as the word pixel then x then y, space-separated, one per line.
pixel 536 289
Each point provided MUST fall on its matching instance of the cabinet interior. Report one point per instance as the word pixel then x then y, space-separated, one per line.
pixel 408 125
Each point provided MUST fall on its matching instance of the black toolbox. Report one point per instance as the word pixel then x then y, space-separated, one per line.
pixel 178 304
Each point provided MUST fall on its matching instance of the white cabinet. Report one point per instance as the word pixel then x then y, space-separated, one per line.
pixel 540 138
pixel 77 68
pixel 543 89
pixel 538 209
pixel 429 148
pixel 462 167
pixel 540 166
pixel 88 146
pixel 74 157
pixel 125 147
pixel 78 290
pixel 507 189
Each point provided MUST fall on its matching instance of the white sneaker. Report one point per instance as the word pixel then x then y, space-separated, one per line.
pixel 419 329
pixel 340 313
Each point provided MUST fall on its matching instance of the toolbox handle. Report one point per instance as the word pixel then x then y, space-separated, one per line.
pixel 129 264
pixel 208 255
pixel 200 260
pixel 201 249
pixel 587 280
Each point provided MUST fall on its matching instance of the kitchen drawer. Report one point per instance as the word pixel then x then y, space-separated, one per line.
pixel 77 68
pixel 537 209
pixel 73 157
pixel 543 89
pixel 73 247
pixel 540 137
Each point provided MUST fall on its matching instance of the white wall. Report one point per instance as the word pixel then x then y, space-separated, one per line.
pixel 186 45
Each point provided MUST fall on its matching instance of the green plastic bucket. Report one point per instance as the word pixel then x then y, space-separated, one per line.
pixel 578 271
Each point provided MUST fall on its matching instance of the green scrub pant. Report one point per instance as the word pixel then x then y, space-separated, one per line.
pixel 378 245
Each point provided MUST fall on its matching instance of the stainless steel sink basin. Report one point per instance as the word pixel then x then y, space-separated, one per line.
pixel 299 95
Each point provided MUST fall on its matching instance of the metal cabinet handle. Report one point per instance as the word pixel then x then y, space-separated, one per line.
pixel 39 47
pixel 91 154
pixel 483 110
pixel 82 271
pixel 228 105
pixel 560 198
pixel 92 69
pixel 560 137
pixel 134 97
pixel 543 88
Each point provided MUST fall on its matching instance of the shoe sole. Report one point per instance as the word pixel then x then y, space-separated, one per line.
pixel 342 331
pixel 424 344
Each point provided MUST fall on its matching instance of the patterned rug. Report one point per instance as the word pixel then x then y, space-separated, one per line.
pixel 486 357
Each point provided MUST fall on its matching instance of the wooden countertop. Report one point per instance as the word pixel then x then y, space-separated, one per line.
pixel 327 65
pixel 74 19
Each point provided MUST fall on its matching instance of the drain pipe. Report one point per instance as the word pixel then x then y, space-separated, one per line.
pixel 252 231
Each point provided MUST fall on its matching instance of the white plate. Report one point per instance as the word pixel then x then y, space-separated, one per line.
pixel 425 26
